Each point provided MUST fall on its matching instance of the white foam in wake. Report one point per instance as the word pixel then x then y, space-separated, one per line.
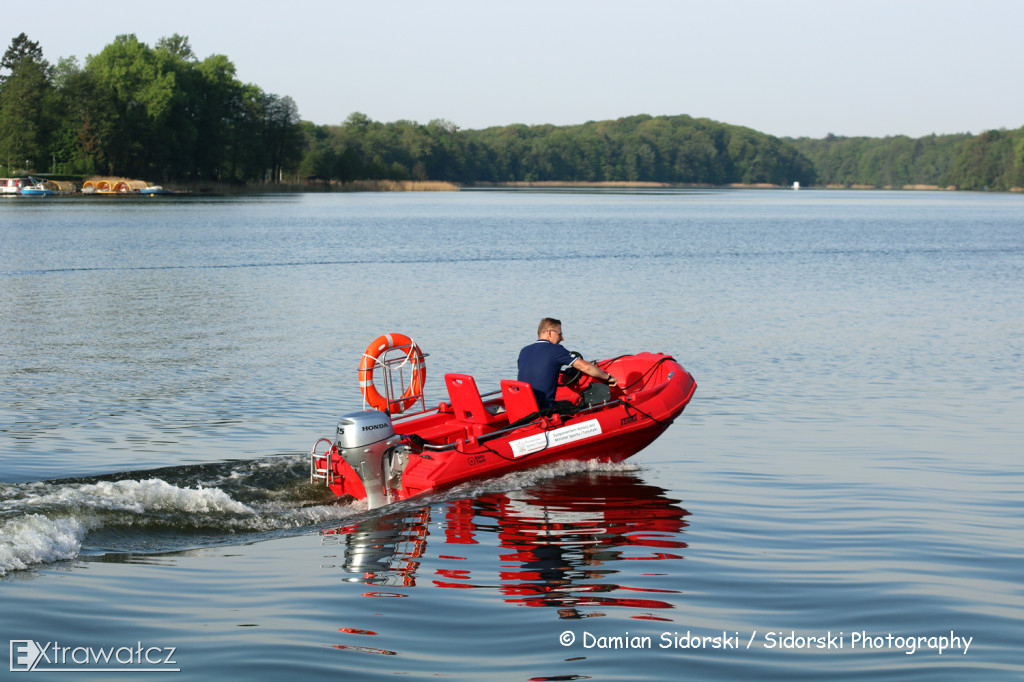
pixel 45 523
pixel 37 539
pixel 141 496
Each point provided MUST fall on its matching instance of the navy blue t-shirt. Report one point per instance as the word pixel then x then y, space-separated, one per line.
pixel 539 364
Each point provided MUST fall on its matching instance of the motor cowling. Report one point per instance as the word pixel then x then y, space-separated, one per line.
pixel 366 441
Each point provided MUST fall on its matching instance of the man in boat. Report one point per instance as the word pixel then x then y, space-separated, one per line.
pixel 541 361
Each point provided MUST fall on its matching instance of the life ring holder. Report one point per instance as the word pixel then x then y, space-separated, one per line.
pixel 395 353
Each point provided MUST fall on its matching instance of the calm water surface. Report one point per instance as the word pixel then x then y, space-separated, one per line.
pixel 842 497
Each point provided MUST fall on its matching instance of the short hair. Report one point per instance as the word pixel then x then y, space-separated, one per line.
pixel 546 324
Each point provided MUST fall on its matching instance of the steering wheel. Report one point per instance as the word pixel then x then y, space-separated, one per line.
pixel 570 375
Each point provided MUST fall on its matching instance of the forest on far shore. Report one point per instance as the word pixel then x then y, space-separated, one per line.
pixel 662 149
pixel 161 114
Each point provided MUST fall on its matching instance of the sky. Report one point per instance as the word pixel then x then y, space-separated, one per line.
pixel 790 68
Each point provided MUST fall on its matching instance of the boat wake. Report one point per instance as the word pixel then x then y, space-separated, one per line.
pixel 182 508
pixel 158 511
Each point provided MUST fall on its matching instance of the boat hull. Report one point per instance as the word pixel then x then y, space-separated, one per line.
pixel 453 444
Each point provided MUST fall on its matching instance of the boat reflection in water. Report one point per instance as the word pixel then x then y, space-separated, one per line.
pixel 558 544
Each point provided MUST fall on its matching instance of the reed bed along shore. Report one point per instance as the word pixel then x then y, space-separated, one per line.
pixel 365 186
pixel 317 185
pixel 444 186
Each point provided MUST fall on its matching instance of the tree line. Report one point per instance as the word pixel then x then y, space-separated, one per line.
pixel 139 111
pixel 993 160
pixel 160 113
pixel 664 149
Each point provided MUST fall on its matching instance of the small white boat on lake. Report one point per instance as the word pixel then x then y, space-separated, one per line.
pixel 39 188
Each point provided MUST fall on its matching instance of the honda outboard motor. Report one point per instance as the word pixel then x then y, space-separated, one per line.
pixel 367 440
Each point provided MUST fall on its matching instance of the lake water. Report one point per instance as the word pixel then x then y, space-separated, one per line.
pixel 842 498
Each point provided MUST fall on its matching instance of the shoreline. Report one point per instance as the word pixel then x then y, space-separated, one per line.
pixel 334 186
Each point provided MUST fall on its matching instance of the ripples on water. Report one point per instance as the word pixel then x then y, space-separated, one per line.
pixel 850 463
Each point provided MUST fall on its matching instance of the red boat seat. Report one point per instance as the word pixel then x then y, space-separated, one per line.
pixel 466 400
pixel 519 399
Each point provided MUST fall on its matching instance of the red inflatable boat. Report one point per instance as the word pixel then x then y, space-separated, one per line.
pixel 382 455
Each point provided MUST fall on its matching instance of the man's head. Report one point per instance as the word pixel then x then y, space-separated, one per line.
pixel 550 329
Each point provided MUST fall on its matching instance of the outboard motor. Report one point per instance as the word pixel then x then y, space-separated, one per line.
pixel 367 441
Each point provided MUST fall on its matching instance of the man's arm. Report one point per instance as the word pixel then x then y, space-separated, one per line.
pixel 592 370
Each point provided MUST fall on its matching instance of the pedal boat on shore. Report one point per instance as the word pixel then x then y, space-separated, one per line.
pixel 382 456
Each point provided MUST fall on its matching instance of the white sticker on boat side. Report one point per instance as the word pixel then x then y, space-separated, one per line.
pixel 548 439
pixel 525 446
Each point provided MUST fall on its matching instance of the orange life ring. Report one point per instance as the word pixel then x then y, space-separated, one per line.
pixel 414 390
